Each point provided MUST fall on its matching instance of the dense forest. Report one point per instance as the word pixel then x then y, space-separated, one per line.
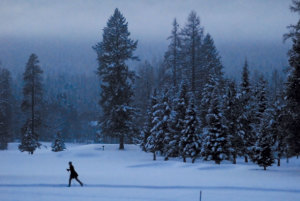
pixel 182 105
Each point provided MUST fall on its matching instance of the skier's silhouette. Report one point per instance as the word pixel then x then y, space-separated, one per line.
pixel 73 174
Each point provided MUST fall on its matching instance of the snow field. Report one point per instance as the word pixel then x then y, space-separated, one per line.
pixel 111 175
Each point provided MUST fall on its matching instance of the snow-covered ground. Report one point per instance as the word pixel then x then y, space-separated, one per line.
pixel 113 175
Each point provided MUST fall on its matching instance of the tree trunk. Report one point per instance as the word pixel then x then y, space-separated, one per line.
pixel 194 159
pixel 154 156
pixel 121 147
pixel 246 159
pixel 234 158
pixel 184 159
pixel 265 168
pixel 32 103
pixel 278 162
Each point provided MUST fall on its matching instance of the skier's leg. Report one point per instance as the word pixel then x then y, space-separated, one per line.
pixel 81 184
pixel 70 181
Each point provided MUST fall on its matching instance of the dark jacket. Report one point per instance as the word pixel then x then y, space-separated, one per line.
pixel 73 172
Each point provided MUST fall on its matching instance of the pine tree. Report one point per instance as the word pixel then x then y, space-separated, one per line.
pixel 210 62
pixel 32 105
pixel 145 133
pixel 172 56
pixel 244 122
pixel 113 52
pixel 165 122
pixel 279 128
pixel 231 114
pixel 263 153
pixel 177 121
pixel 293 84
pixel 214 144
pixel 5 107
pixel 156 137
pixel 258 106
pixel 190 140
pixel 206 97
pixel 58 143
pixel 192 35
pixel 261 102
pixel 29 141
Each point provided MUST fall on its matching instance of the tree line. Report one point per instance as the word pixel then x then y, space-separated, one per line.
pixel 198 113
pixel 186 107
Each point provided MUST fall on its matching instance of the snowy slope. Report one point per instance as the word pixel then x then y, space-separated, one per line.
pixel 112 175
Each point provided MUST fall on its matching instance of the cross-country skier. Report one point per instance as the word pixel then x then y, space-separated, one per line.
pixel 73 174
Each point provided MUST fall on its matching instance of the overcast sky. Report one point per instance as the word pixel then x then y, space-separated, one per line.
pixel 62 32
pixel 224 19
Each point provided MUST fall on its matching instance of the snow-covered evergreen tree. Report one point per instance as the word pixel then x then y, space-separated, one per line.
pixel 177 121
pixel 5 107
pixel 231 114
pixel 190 141
pixel 210 62
pixel 262 151
pixel 113 52
pixel 156 137
pixel 165 122
pixel 29 140
pixel 206 97
pixel 293 84
pixel 258 106
pixel 214 143
pixel 261 102
pixel 58 144
pixel 278 128
pixel 245 127
pixel 145 133
pixel 31 105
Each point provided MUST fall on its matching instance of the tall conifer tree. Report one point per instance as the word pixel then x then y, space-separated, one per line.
pixel 293 84
pixel 231 114
pixel 190 141
pixel 172 56
pixel 5 107
pixel 113 52
pixel 210 63
pixel 177 121
pixel 192 36
pixel 155 141
pixel 214 144
pixel 245 128
pixel 32 105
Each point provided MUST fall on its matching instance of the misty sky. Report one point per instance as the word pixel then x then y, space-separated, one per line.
pixel 62 32
pixel 224 19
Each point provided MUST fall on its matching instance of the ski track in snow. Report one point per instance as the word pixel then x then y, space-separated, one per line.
pixel 239 188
